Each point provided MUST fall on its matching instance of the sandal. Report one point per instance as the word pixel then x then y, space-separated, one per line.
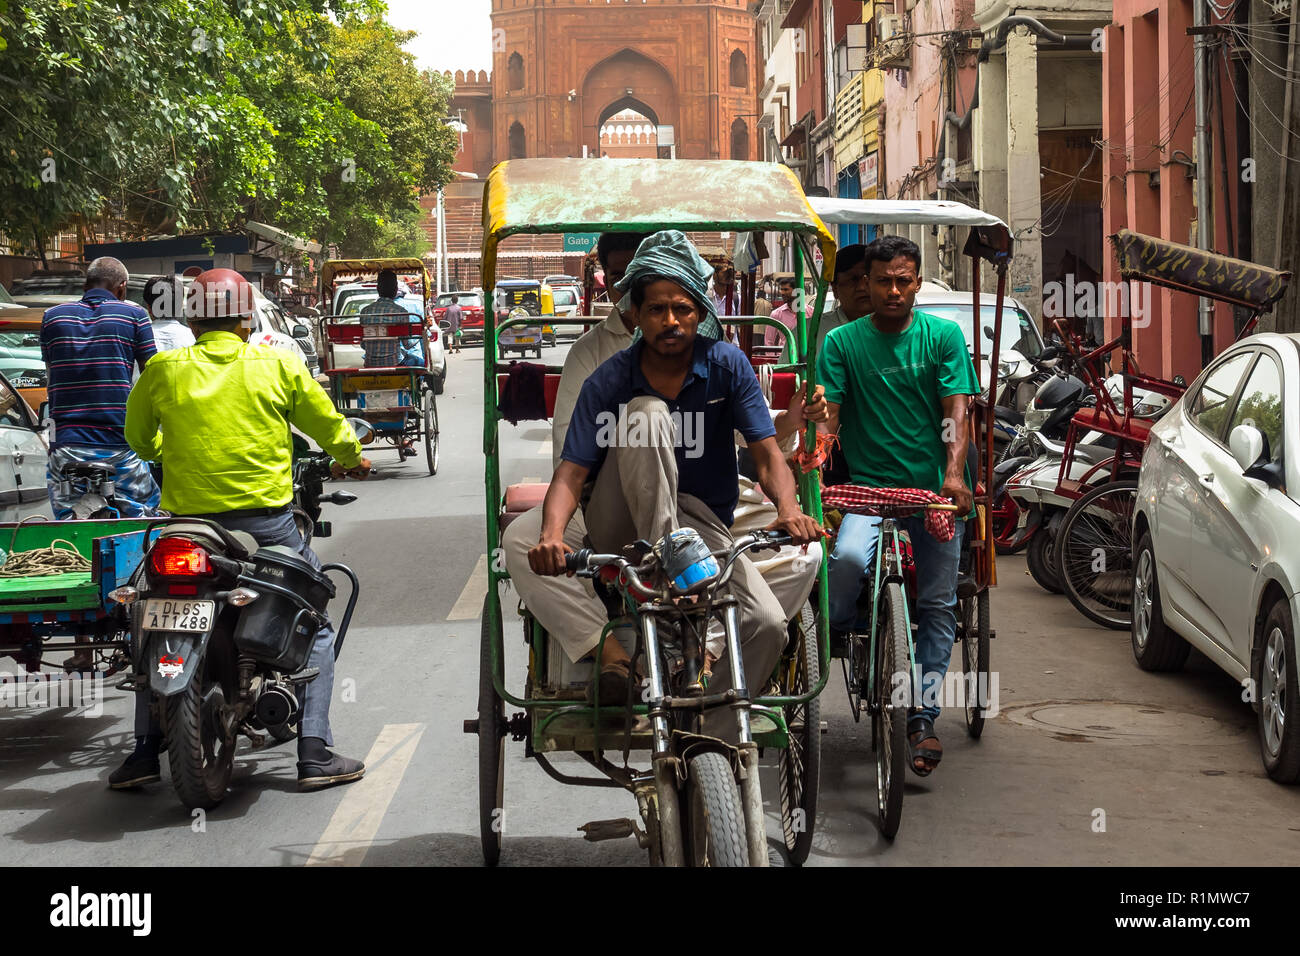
pixel 613 682
pixel 921 728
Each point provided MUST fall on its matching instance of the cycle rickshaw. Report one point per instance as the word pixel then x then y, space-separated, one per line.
pixel 877 661
pixel 397 400
pixel 696 787
pixel 1094 548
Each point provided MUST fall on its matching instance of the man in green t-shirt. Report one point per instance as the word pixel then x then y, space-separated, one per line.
pixel 896 390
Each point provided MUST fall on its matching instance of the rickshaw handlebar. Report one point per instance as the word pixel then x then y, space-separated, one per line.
pixel 585 563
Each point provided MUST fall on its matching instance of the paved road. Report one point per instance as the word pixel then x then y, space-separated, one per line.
pixel 1170 760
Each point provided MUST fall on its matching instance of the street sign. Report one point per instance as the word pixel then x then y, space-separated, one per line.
pixel 580 241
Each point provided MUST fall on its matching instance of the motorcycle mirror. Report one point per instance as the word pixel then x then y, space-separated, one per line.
pixel 340 498
pixel 988 330
pixel 364 431
pixel 1049 353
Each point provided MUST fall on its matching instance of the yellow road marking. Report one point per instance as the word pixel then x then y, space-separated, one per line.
pixel 352 829
pixel 470 603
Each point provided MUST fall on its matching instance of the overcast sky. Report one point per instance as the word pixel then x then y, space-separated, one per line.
pixel 454 34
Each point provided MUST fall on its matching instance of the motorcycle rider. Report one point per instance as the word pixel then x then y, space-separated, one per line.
pixel 225 408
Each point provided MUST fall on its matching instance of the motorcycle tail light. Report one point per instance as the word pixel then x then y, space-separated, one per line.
pixel 179 558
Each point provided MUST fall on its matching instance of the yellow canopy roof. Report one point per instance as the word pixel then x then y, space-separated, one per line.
pixel 646 195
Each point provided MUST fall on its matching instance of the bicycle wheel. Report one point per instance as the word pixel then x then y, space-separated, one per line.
pixel 1095 554
pixel 799 764
pixel 889 721
pixel 975 659
pixel 491 752
pixel 431 433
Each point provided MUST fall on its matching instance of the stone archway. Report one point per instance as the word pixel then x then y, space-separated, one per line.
pixel 626 80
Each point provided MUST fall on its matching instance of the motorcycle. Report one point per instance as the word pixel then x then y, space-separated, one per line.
pixel 1031 482
pixel 222 630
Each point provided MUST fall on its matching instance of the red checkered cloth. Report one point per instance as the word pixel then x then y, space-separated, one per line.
pixel 892 503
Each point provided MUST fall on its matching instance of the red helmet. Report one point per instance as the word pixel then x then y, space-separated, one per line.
pixel 220 294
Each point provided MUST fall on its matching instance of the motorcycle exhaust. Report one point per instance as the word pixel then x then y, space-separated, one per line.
pixel 276 705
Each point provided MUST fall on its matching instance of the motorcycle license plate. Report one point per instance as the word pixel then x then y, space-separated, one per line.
pixel 164 614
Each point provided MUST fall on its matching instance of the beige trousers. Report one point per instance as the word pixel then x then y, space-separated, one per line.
pixel 572 614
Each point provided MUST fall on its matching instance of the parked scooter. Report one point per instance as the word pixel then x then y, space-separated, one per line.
pixel 222 631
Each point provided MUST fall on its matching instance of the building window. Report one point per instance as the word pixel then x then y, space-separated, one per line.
pixel 518 144
pixel 739 69
pixel 739 140
pixel 515 72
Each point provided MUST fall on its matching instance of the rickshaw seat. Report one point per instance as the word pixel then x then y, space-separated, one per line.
pixel 1139 429
pixel 521 498
pixel 552 388
pixel 783 385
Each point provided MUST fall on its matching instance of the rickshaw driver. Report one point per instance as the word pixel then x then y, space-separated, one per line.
pixel 644 483
pixel 567 607
pixel 898 384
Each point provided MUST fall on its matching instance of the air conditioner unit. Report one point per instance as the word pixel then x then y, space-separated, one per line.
pixel 894 47
pixel 888 25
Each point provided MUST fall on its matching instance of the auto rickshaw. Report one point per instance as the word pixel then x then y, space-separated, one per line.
pixel 397 400
pixel 680 820
pixel 524 298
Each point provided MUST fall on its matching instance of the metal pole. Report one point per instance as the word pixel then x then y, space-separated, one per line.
pixel 1204 234
pixel 437 262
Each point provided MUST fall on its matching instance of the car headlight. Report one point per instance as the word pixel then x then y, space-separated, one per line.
pixel 1148 409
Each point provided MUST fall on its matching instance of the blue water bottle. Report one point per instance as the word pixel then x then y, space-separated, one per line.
pixel 685 558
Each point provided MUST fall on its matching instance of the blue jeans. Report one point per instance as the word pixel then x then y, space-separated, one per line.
pixel 270 530
pixel 852 565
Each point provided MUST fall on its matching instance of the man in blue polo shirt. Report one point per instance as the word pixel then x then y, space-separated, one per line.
pixel 89 348
pixel 654 432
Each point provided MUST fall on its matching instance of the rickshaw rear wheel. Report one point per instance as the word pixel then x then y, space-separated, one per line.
pixel 491 750
pixel 431 433
pixel 975 659
pixel 799 763
pixel 715 815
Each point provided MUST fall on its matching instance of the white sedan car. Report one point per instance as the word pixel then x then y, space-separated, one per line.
pixel 1216 525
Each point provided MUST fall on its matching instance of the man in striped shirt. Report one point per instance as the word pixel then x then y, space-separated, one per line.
pixel 89 348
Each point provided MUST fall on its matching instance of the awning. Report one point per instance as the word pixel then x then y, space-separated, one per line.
pixel 279 236
pixel 991 239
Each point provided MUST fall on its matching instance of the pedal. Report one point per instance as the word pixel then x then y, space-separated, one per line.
pixel 470 727
pixel 304 676
pixel 598 830
pixel 128 683
pixel 967 588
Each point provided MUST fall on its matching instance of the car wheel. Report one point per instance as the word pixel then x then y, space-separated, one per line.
pixel 1155 646
pixel 1279 696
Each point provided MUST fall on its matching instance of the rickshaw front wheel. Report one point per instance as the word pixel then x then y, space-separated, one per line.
pixel 799 764
pixel 431 433
pixel 715 815
pixel 974 623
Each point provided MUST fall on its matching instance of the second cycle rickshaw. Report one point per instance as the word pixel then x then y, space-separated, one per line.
pixel 380 366
pixel 879 661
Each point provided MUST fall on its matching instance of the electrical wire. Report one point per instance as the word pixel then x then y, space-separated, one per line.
pixel 1251 119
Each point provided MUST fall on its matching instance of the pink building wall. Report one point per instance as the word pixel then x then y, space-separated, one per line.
pixel 1149 124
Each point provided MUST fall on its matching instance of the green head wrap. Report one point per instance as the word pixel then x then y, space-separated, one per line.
pixel 670 255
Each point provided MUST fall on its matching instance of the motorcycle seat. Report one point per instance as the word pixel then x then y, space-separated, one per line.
pixel 1093 454
pixel 1006 414
pixel 205 535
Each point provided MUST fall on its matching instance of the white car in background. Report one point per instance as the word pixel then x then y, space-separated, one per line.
pixel 1215 526
pixel 23 454
pixel 1021 339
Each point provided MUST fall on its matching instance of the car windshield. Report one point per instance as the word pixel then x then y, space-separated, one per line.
pixel 565 297
pixel 21 340
pixel 1021 335
pixel 464 299
pixel 51 285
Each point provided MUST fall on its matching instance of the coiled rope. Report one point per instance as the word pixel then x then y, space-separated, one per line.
pixel 41 562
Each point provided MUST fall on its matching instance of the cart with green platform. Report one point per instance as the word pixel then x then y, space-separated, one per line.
pixel 48 597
